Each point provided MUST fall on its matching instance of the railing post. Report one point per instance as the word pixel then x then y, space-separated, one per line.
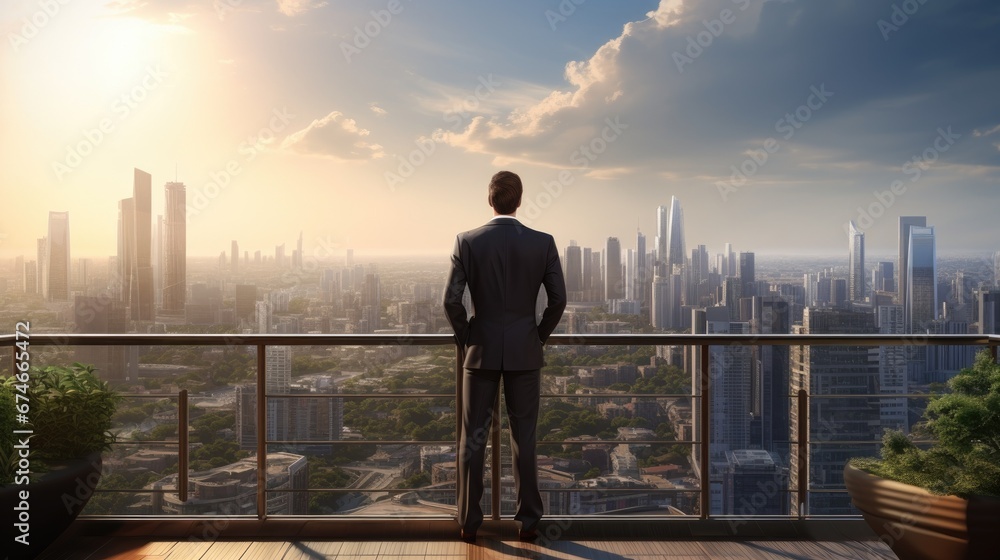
pixel 459 406
pixel 261 433
pixel 993 352
pixel 182 445
pixel 802 450
pixel 495 460
pixel 704 465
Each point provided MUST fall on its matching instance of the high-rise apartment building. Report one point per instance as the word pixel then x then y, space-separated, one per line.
pixel 856 263
pixel 57 267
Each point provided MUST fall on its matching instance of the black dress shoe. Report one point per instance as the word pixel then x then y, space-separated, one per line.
pixel 528 535
pixel 468 537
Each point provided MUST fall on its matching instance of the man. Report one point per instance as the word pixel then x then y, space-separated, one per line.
pixel 504 264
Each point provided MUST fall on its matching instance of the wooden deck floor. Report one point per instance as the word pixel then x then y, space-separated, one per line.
pixel 615 540
pixel 117 548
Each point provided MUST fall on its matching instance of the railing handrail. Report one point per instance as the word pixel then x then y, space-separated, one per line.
pixel 399 339
pixel 703 341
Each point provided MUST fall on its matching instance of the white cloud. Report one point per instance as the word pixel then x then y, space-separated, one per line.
pixel 377 110
pixel 296 7
pixel 334 136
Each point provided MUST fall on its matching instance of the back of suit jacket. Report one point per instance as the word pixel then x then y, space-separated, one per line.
pixel 504 263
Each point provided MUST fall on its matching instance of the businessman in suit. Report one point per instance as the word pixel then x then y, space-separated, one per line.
pixel 504 264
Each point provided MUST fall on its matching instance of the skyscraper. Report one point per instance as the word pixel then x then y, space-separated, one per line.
pixel 730 386
pixel 642 278
pixel 905 223
pixel 126 252
pixel 921 278
pixel 141 308
pixel 834 370
pixel 614 287
pixel 159 232
pixel 996 269
pixel 989 311
pixel 57 257
pixel 371 301
pixel 676 253
pixel 771 315
pixel 574 272
pixel 856 263
pixel 892 369
pixel 661 240
pixel 748 275
pixel 234 258
pixel 175 247
pixel 882 277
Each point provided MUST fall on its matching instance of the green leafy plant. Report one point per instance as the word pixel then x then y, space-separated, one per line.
pixel 965 423
pixel 71 415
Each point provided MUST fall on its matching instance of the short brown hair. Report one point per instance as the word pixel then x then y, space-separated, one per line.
pixel 505 192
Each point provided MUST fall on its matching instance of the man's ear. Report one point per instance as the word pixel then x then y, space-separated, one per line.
pixel 518 203
pixel 488 201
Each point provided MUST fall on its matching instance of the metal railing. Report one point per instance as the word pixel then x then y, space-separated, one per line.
pixel 702 341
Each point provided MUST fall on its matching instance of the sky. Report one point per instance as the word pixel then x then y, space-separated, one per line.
pixel 376 125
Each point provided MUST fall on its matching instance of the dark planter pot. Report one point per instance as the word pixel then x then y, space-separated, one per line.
pixel 54 501
pixel 918 525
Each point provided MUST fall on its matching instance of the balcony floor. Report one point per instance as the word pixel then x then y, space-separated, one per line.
pixel 295 540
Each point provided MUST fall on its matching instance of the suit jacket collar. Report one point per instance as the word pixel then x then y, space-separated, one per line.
pixel 504 220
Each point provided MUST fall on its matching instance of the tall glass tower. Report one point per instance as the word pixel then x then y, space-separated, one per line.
pixel 921 278
pixel 905 223
pixel 856 263
pixel 175 247
pixel 57 257
pixel 676 253
pixel 661 240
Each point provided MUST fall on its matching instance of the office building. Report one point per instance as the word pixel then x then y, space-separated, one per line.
pixel 989 311
pixel 905 223
pixel 856 263
pixel 892 369
pixel 574 272
pixel 675 251
pixel 662 226
pixel 921 301
pixel 57 267
pixel 175 248
pixel 834 370
pixel 748 279
pixel 614 286
pixel 769 404
pixel 234 258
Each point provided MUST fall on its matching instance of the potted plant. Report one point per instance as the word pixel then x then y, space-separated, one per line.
pixel 941 502
pixel 69 414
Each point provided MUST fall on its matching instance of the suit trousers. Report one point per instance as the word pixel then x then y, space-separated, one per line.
pixel 521 391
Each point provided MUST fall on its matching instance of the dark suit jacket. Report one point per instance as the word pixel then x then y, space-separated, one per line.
pixel 504 263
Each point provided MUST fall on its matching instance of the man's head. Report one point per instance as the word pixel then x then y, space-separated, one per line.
pixel 505 193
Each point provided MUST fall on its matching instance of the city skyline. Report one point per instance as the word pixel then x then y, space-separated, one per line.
pixel 606 112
